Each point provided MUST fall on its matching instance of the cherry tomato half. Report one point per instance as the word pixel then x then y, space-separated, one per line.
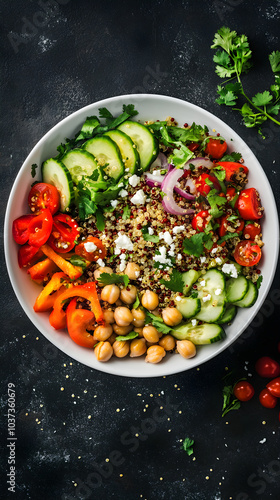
pixel 249 204
pixel 43 196
pixel 267 400
pixel 243 390
pixel 20 228
pixel 267 367
pixel 247 253
pixel 274 387
pixel 91 249
pixel 64 233
pixel 193 146
pixel 201 220
pixel 233 222
pixel 252 230
pixel 216 148
pixel 203 187
pixel 40 228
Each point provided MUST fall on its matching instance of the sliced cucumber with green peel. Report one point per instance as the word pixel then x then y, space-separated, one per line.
pixel 54 172
pixel 236 288
pixel 188 306
pixel 107 154
pixel 229 314
pixel 80 163
pixel 189 278
pixel 199 334
pixel 146 143
pixel 250 297
pixel 130 155
pixel 210 290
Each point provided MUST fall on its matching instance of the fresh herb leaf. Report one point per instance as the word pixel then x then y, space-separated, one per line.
pixel 259 282
pixel 262 99
pixel 100 220
pixel 129 336
pixel 216 203
pixel 226 237
pixel 126 213
pixel 194 244
pixel 188 446
pixel 274 59
pixel 154 238
pixel 77 260
pixel 175 283
pixel 136 303
pixel 34 166
pixel 113 279
pixel 234 156
pixel 157 322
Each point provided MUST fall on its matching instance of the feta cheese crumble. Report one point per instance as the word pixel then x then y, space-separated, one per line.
pixel 90 246
pixel 178 229
pixel 207 298
pixel 161 257
pixel 123 193
pixel 134 180
pixel 230 269
pixel 122 242
pixel 100 263
pixel 114 203
pixel 166 236
pixel 139 198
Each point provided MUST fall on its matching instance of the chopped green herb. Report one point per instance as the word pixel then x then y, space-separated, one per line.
pixel 226 237
pixel 76 260
pixel 34 166
pixel 188 446
pixel 129 336
pixel 194 244
pixel 136 303
pixel 259 282
pixel 157 322
pixel 126 213
pixel 154 238
pixel 111 279
pixel 175 283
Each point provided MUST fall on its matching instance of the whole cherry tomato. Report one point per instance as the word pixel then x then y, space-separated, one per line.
pixel 20 228
pixel 274 387
pixel 43 195
pixel 252 230
pixel 91 249
pixel 216 148
pixel 267 400
pixel 267 367
pixel 247 253
pixel 249 204
pixel 201 220
pixel 243 390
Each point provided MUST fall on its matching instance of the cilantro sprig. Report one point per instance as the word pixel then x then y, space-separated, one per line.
pixel 113 279
pixel 188 446
pixel 157 322
pixel 233 58
pixel 176 283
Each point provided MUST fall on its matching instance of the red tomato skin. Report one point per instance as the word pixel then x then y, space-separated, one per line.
pixel 20 229
pixel 200 221
pixel 26 254
pixel 201 185
pixel 224 222
pixel 267 367
pixel 243 390
pixel 193 146
pixel 267 400
pixel 247 253
pixel 216 148
pixel 233 170
pixel 249 205
pixel 43 195
pixel 231 194
pixel 64 233
pixel 99 253
pixel 274 387
pixel 40 228
pixel 252 230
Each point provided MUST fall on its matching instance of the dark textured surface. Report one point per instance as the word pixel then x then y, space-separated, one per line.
pixel 86 51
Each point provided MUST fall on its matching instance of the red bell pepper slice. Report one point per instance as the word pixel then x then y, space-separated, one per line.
pixel 79 321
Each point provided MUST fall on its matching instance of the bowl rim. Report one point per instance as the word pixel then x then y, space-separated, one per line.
pixel 112 368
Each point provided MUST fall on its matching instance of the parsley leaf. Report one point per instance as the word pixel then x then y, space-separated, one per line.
pixel 136 303
pixel 194 244
pixel 188 446
pixel 216 203
pixel 274 59
pixel 227 237
pixel 259 282
pixel 126 213
pixel 157 322
pixel 176 283
pixel 111 279
pixel 129 336
pixel 262 99
pixel 77 260
pixel 100 220
pixel 154 238
pixel 231 157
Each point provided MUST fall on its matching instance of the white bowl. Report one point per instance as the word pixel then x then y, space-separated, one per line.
pixel 150 107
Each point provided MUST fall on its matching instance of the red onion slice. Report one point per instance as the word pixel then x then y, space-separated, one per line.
pixel 154 180
pixel 200 161
pixel 184 194
pixel 167 186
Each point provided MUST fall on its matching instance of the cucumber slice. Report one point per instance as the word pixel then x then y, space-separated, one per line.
pixel 210 290
pixel 130 155
pixel 54 172
pixel 188 306
pixel 146 143
pixel 80 163
pixel 189 278
pixel 199 334
pixel 236 288
pixel 229 314
pixel 107 154
pixel 250 297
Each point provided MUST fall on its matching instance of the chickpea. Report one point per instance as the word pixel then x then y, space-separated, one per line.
pixel 110 293
pixel 122 330
pixel 137 347
pixel 128 295
pixel 155 354
pixel 108 316
pixel 171 316
pixel 132 270
pixel 103 332
pixel 101 270
pixel 167 342
pixel 103 351
pixel 139 317
pixel 139 331
pixel 123 316
pixel 150 300
pixel 186 348
pixel 151 334
pixel 121 348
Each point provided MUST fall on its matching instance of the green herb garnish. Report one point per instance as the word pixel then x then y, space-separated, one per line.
pixel 188 446
pixel 175 283
pixel 113 279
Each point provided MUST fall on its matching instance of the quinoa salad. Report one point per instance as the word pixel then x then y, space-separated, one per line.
pixel 144 236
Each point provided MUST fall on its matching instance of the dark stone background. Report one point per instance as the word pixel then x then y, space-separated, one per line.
pixel 82 52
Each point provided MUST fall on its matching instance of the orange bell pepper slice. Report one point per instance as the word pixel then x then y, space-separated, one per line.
pixel 74 272
pixel 87 291
pixel 79 321
pixel 41 269
pixel 50 292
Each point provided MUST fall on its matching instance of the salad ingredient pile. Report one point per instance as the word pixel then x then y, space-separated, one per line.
pixel 144 236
